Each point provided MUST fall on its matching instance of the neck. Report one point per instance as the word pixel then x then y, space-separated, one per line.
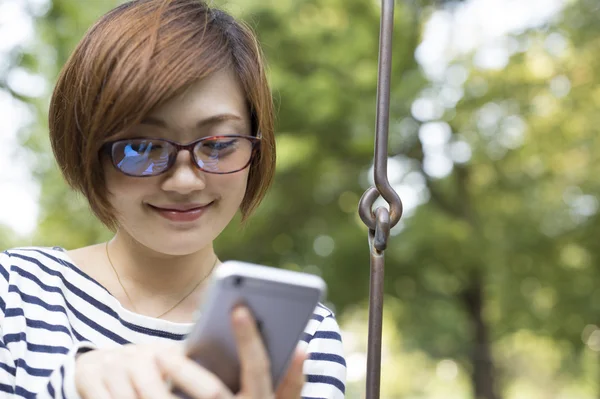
pixel 145 272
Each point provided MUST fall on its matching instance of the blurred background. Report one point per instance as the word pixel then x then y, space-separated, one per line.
pixel 492 279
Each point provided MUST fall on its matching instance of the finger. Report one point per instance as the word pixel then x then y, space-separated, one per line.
pixel 119 385
pixel 97 390
pixel 87 381
pixel 166 350
pixel 292 383
pixel 254 361
pixel 149 382
pixel 189 377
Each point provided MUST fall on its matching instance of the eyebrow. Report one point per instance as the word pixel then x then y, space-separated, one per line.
pixel 213 120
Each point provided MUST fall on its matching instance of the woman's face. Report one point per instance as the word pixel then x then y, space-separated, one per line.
pixel 151 209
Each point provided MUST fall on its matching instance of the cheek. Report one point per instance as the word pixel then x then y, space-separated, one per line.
pixel 232 187
pixel 122 189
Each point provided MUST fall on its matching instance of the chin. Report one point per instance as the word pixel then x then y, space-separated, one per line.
pixel 175 243
pixel 176 251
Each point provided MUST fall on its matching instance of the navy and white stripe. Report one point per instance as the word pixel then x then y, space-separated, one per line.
pixel 50 311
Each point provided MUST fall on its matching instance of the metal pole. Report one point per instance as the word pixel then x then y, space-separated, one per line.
pixel 381 220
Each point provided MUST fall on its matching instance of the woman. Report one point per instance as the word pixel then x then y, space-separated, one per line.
pixel 163 119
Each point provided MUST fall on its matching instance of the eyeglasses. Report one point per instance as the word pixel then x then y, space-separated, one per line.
pixel 142 157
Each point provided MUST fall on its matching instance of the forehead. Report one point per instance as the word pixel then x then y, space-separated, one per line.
pixel 220 93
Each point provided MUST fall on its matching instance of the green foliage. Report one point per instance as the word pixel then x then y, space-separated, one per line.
pixel 518 220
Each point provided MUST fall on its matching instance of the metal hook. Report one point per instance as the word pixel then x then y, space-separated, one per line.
pixel 381 220
pixel 382 229
pixel 382 184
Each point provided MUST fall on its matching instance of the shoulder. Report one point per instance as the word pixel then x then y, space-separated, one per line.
pixel 325 368
pixel 34 261
pixel 22 266
pixel 322 318
pixel 42 256
pixel 322 334
pixel 323 311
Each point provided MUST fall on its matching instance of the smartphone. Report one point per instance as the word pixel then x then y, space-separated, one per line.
pixel 281 301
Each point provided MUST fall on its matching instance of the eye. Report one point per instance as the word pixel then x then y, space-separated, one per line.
pixel 156 146
pixel 143 146
pixel 218 147
pixel 220 144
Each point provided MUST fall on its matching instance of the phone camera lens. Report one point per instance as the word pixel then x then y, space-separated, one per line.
pixel 238 281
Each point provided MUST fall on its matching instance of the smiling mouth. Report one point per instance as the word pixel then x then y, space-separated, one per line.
pixel 181 215
pixel 182 209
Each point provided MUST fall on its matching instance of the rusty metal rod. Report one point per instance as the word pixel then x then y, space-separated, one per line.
pixel 375 324
pixel 377 243
pixel 381 221
pixel 383 111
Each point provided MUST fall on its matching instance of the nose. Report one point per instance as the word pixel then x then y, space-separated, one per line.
pixel 184 177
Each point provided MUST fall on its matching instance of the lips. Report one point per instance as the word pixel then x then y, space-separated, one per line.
pixel 180 208
pixel 181 212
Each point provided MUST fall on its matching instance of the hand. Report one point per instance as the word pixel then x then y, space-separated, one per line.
pixel 142 371
pixel 255 369
pixel 128 372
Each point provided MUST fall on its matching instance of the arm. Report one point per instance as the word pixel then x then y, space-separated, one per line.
pixel 60 382
pixel 7 363
pixel 325 368
pixel 7 370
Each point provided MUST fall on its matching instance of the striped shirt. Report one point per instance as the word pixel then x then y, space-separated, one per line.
pixel 50 311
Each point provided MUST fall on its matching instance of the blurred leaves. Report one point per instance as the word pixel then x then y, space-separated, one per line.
pixel 503 243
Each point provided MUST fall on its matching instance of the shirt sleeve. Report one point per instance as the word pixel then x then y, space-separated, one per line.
pixel 61 383
pixel 7 363
pixel 62 380
pixel 325 368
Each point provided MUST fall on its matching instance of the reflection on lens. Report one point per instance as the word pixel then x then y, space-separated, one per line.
pixel 141 157
pixel 223 154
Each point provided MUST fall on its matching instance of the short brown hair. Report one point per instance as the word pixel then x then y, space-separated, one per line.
pixel 135 58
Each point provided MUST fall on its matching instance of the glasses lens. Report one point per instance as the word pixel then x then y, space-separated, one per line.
pixel 223 154
pixel 141 157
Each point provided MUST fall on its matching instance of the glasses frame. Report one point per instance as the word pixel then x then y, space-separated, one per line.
pixel 254 140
